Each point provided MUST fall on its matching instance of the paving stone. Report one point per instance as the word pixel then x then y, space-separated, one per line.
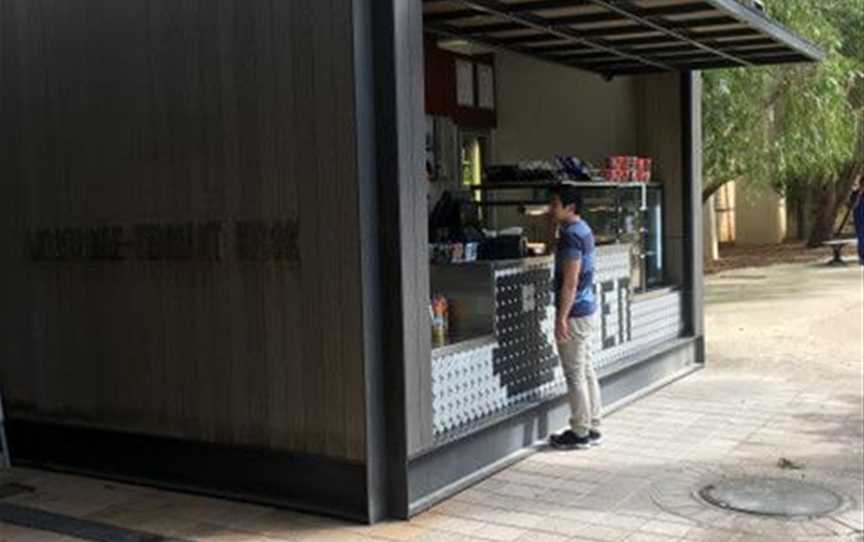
pixel 534 536
pixel 499 533
pixel 674 530
pixel 648 537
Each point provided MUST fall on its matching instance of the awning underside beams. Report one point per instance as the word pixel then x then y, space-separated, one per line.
pixel 624 37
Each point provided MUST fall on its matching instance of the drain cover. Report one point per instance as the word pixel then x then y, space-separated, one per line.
pixel 772 497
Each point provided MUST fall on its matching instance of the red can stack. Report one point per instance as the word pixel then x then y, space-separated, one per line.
pixel 628 169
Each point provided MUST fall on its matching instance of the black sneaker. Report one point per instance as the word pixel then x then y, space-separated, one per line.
pixel 595 437
pixel 568 440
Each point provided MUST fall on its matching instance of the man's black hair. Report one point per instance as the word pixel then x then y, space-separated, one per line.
pixel 569 195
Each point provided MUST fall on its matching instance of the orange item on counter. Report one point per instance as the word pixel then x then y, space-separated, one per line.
pixel 440 319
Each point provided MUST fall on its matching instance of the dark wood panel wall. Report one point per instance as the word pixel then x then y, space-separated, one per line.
pixel 180 246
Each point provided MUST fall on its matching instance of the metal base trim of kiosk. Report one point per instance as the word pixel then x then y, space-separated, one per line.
pixel 316 484
pixel 442 473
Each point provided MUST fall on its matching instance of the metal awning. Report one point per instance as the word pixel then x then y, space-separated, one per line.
pixel 624 37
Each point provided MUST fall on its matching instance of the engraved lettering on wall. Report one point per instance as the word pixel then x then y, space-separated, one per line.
pixel 265 241
pixel 213 241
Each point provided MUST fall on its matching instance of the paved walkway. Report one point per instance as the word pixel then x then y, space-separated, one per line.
pixel 782 397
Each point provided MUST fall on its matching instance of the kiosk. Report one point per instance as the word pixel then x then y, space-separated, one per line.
pixel 216 265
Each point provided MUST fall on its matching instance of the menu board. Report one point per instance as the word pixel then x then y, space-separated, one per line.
pixel 464 83
pixel 485 86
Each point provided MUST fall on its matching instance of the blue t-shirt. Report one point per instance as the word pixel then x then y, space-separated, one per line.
pixel 576 242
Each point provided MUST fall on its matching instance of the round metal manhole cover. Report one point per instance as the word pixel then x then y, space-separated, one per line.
pixel 772 497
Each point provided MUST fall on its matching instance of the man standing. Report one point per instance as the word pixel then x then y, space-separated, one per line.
pixel 574 322
pixel 858 213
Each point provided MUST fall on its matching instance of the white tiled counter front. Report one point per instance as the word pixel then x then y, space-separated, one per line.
pixel 518 364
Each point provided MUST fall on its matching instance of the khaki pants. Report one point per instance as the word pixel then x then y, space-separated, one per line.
pixel 582 385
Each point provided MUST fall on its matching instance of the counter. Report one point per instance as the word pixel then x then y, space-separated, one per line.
pixel 629 324
pixel 509 357
pixel 472 291
pixel 459 344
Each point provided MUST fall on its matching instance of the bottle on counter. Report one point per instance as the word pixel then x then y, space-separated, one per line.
pixel 440 313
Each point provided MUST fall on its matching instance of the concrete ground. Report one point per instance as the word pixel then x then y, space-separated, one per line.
pixel 781 397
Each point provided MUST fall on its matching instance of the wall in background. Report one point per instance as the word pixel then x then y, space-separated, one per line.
pixel 545 109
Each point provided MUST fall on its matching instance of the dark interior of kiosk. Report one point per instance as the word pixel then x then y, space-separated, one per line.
pixel 482 211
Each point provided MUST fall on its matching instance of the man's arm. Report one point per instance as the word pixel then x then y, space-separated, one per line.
pixel 569 286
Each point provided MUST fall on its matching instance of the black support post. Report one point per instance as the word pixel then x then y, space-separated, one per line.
pixel 390 95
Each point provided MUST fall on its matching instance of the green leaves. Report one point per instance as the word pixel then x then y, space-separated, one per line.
pixel 772 125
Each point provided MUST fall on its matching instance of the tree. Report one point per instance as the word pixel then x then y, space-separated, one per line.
pixel 798 128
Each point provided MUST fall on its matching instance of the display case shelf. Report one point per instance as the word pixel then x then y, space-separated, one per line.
pixel 621 216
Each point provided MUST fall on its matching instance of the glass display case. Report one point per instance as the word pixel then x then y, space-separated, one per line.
pixel 640 222
pixel 629 213
pixel 653 240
